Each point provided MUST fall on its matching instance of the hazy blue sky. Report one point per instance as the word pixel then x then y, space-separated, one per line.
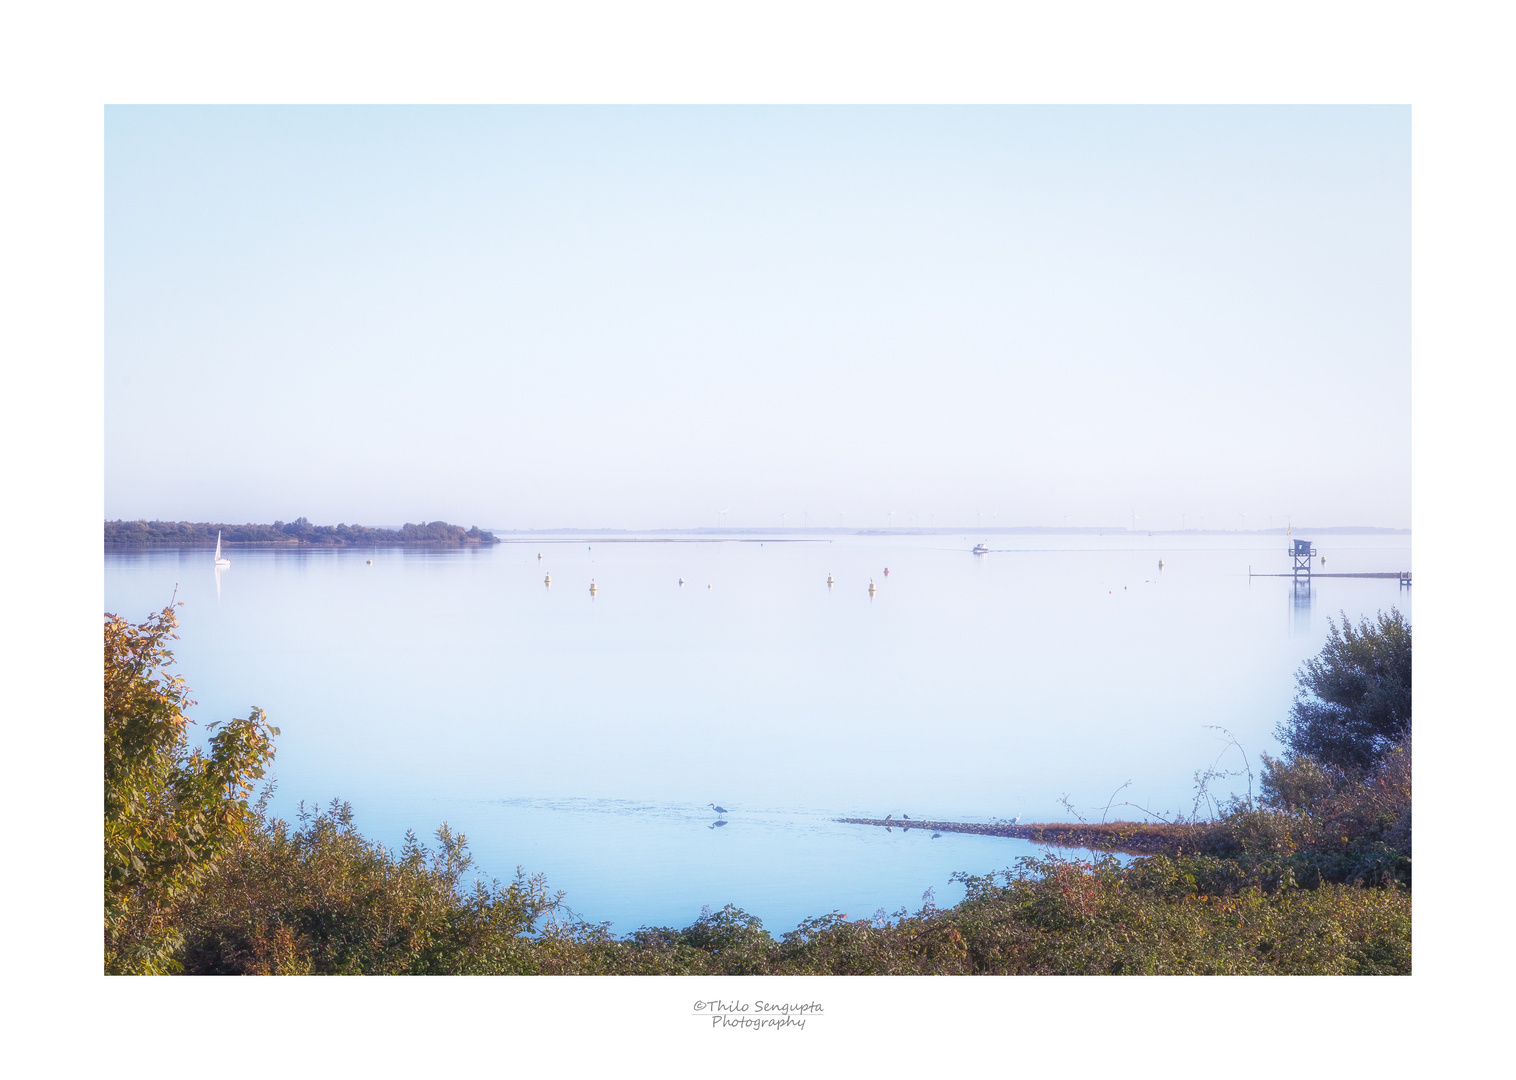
pixel 537 317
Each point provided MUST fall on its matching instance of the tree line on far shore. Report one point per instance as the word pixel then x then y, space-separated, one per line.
pixel 299 531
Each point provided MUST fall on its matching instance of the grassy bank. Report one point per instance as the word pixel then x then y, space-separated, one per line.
pixel 320 898
pixel 1312 877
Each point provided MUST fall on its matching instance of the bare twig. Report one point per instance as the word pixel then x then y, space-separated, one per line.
pixel 1145 810
pixel 1112 799
pixel 1215 772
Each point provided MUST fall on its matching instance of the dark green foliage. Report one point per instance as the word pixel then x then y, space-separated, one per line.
pixel 1192 915
pixel 1354 703
pixel 1346 825
pixel 299 531
pixel 322 899
pixel 1313 878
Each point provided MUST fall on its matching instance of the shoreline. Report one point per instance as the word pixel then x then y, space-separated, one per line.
pixel 1127 837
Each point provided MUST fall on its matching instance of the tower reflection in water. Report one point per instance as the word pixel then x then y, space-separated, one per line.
pixel 1300 608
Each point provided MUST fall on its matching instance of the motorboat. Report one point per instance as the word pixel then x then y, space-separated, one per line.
pixel 980 549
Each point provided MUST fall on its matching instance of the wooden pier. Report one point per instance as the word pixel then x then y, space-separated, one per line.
pixel 1403 575
pixel 1303 552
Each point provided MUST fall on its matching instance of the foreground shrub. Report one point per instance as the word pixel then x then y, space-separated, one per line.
pixel 169 810
pixel 1354 704
pixel 1197 915
pixel 322 899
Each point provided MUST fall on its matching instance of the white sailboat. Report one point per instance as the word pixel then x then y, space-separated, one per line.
pixel 220 562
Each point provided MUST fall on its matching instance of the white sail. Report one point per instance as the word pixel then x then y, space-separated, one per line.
pixel 220 561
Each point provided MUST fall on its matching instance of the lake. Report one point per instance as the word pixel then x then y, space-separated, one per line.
pixel 585 736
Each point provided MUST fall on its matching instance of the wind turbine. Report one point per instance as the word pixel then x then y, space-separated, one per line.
pixel 721 516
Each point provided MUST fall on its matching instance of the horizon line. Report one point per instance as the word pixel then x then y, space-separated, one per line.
pixel 848 530
pixel 943 530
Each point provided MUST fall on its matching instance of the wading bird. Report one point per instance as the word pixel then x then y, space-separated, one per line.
pixel 718 809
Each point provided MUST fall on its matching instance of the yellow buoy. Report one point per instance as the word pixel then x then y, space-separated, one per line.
pixel 872 590
pixel 548 580
pixel 1160 564
pixel 593 590
pixel 371 562
pixel 829 581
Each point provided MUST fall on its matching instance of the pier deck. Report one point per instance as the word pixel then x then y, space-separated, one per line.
pixel 1403 575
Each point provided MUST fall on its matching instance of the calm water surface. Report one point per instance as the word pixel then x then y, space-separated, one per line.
pixel 584 737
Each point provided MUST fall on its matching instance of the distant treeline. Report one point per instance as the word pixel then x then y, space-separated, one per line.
pixel 299 531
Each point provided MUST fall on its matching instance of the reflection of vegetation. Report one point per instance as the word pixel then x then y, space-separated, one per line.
pixel 299 531
pixel 1312 877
